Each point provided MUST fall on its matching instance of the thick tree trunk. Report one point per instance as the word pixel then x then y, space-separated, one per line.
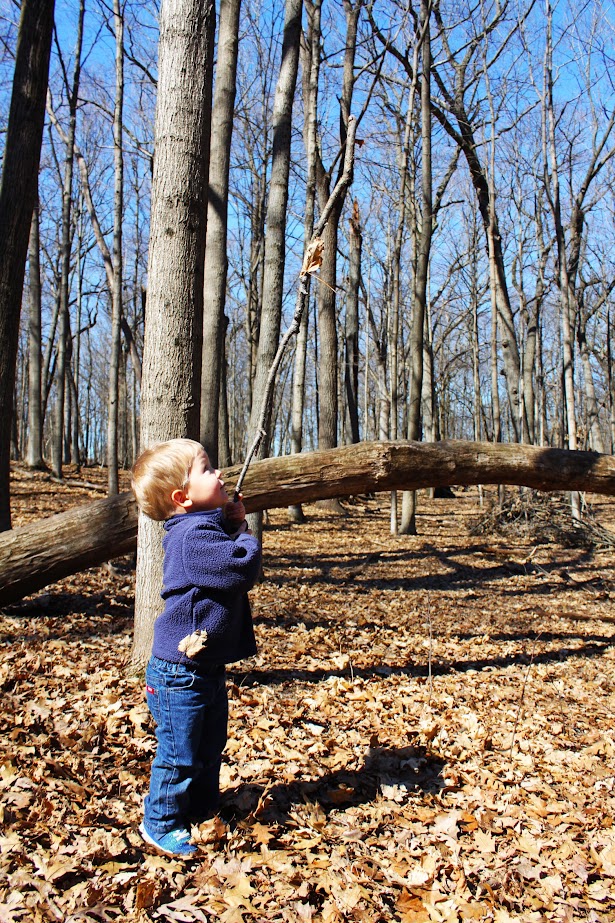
pixel 174 325
pixel 17 199
pixel 40 553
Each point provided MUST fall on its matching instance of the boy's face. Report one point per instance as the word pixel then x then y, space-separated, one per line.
pixel 205 489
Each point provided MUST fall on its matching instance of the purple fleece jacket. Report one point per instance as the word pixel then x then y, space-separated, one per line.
pixel 206 578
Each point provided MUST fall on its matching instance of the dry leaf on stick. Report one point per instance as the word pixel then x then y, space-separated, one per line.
pixel 312 261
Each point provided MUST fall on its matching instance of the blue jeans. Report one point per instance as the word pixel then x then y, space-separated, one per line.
pixel 190 708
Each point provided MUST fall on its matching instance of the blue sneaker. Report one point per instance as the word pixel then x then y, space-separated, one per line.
pixel 175 843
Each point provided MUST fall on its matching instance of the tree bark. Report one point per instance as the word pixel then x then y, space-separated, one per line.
pixel 351 334
pixel 327 321
pixel 311 68
pixel 216 261
pixel 40 553
pixel 35 409
pixel 18 191
pixel 275 238
pixel 421 279
pixel 173 329
pixel 113 403
pixel 275 242
pixel 63 348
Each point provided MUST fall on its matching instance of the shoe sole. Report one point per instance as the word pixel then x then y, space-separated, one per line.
pixel 167 852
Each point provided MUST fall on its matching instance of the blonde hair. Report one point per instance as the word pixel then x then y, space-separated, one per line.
pixel 160 470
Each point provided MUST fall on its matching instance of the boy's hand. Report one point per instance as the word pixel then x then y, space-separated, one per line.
pixel 235 512
pixel 242 528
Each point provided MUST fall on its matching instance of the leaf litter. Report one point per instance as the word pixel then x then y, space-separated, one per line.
pixel 426 734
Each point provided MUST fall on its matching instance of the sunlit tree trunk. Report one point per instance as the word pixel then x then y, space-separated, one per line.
pixel 275 239
pixel 113 403
pixel 63 348
pixel 419 289
pixel 18 189
pixel 35 410
pixel 400 233
pixel 327 322
pixel 311 70
pixel 216 262
pixel 173 329
pixel 351 338
pixel 610 377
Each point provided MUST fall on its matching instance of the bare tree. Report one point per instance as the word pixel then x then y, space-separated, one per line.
pixel 18 190
pixel 569 250
pixel 275 240
pixel 327 324
pixel 118 262
pixel 35 410
pixel 311 69
pixel 351 334
pixel 216 262
pixel 63 347
pixel 419 289
pixel 173 329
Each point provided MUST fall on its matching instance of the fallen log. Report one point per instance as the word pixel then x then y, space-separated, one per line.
pixel 40 553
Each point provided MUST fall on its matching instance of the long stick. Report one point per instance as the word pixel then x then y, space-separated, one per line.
pixel 314 245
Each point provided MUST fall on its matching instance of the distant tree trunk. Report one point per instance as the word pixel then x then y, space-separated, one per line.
pixel 610 377
pixel 173 329
pixel 73 375
pixel 351 352
pixel 419 289
pixel 496 415
pixel 383 401
pixel 275 238
pixel 63 348
pixel 530 311
pixel 327 322
pixel 406 195
pixel 255 277
pixel 18 189
pixel 311 70
pixel 225 456
pixel 118 263
pixel 428 401
pixel 216 262
pixel 35 409
pixel 594 435
pixel 475 295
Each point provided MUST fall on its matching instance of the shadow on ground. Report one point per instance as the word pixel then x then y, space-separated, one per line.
pixel 396 772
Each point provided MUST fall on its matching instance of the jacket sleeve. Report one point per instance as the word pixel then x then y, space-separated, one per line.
pixel 214 561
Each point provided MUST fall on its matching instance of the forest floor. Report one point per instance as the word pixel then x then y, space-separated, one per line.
pixel 426 734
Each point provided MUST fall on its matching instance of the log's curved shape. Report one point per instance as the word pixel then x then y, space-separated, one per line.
pixel 40 553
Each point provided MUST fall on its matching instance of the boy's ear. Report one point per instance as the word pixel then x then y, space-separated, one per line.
pixel 179 498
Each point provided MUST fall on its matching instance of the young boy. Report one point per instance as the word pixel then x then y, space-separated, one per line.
pixel 210 562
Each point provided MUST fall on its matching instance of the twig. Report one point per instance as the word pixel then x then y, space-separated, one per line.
pixel 521 698
pixel 340 187
pixel 429 669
